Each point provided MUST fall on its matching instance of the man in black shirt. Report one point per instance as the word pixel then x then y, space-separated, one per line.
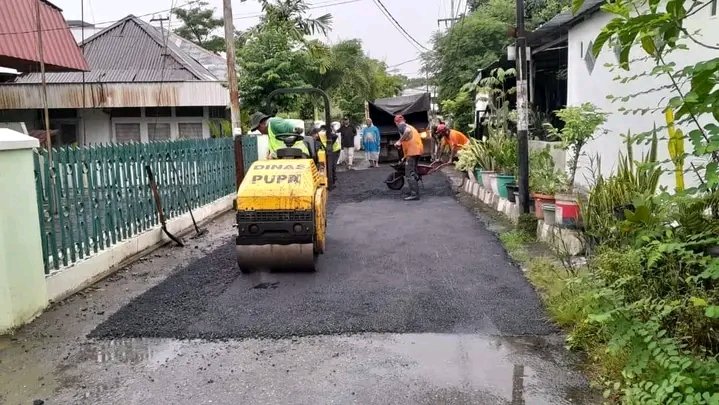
pixel 347 134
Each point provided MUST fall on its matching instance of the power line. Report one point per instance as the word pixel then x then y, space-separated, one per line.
pixel 397 25
pixel 403 63
pixel 64 27
pixel 316 5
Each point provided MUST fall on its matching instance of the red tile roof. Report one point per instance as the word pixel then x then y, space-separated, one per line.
pixel 18 38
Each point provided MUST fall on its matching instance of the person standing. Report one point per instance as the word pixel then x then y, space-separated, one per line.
pixel 371 142
pixel 347 133
pixel 412 148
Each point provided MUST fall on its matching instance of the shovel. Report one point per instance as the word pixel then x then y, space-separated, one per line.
pixel 158 205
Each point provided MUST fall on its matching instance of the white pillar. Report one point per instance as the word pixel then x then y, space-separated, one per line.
pixel 23 293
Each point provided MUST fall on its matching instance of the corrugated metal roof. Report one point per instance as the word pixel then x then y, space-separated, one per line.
pixel 216 64
pixel 131 50
pixel 19 39
pixel 563 21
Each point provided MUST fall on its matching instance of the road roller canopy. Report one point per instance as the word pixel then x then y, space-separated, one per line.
pixel 280 184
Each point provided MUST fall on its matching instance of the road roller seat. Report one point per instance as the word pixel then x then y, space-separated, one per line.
pixel 289 151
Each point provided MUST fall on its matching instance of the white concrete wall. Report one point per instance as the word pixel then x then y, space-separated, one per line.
pixel 22 291
pixel 594 87
pixel 99 127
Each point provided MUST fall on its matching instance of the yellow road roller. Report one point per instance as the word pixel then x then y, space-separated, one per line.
pixel 281 204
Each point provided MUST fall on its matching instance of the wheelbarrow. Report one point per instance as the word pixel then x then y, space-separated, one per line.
pixel 395 181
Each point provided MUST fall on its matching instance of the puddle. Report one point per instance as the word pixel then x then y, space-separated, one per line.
pixel 153 352
pixel 493 366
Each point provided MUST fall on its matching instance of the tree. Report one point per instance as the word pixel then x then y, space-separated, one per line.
pixel 198 25
pixel 268 61
pixel 291 15
pixel 473 43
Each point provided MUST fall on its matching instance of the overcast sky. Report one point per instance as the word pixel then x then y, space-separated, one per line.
pixel 351 19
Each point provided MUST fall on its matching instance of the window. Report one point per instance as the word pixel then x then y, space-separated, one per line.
pixel 189 112
pixel 127 132
pixel 219 112
pixel 714 7
pixel 158 132
pixel 581 49
pixel 158 112
pixel 190 130
pixel 126 112
pixel 589 57
pixel 62 113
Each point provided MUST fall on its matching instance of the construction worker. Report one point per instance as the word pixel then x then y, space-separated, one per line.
pixel 273 126
pixel 412 148
pixel 319 132
pixel 452 139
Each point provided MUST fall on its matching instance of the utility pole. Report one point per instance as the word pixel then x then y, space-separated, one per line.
pixel 234 91
pixel 41 55
pixel 231 62
pixel 522 114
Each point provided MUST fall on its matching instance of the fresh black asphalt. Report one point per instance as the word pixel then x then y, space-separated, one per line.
pixel 391 266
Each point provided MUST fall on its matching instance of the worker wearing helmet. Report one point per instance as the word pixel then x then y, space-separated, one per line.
pixel 273 126
pixel 412 148
pixel 452 139
pixel 319 132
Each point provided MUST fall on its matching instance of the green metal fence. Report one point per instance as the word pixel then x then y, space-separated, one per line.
pixel 91 198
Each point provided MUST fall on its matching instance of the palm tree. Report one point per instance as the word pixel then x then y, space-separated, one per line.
pixel 291 15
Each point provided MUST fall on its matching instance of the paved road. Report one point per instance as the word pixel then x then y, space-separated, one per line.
pixel 415 302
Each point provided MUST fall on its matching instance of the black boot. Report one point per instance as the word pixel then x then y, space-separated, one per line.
pixel 413 190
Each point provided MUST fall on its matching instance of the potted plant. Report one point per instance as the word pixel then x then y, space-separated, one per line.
pixel 580 126
pixel 503 151
pixel 467 161
pixel 544 180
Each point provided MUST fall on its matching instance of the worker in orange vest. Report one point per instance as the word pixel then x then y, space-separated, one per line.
pixel 451 138
pixel 412 148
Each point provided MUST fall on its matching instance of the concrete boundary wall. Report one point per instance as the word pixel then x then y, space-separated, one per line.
pixel 71 279
pixel 563 240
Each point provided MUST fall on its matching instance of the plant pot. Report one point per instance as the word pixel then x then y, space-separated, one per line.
pixel 493 183
pixel 502 181
pixel 478 175
pixel 567 210
pixel 486 183
pixel 549 211
pixel 512 192
pixel 540 199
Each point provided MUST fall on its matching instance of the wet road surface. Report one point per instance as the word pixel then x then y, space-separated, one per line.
pixel 414 302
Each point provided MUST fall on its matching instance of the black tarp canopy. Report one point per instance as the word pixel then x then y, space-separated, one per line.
pixel 415 109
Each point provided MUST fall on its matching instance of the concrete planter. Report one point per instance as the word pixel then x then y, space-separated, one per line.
pixel 549 211
pixel 567 213
pixel 540 199
pixel 493 183
pixel 502 181
pixel 486 178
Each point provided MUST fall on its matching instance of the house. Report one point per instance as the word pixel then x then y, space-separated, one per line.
pixel 19 44
pixel 143 84
pixel 593 80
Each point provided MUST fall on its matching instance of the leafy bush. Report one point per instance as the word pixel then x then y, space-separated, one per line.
pixel 543 177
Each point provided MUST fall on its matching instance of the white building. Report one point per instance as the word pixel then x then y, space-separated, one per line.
pixel 142 86
pixel 591 80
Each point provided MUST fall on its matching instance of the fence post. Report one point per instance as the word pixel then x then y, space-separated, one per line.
pixel 23 293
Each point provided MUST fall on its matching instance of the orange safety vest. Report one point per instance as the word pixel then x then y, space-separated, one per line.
pixel 414 145
pixel 455 140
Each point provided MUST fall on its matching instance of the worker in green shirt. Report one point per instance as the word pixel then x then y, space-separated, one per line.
pixel 272 126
